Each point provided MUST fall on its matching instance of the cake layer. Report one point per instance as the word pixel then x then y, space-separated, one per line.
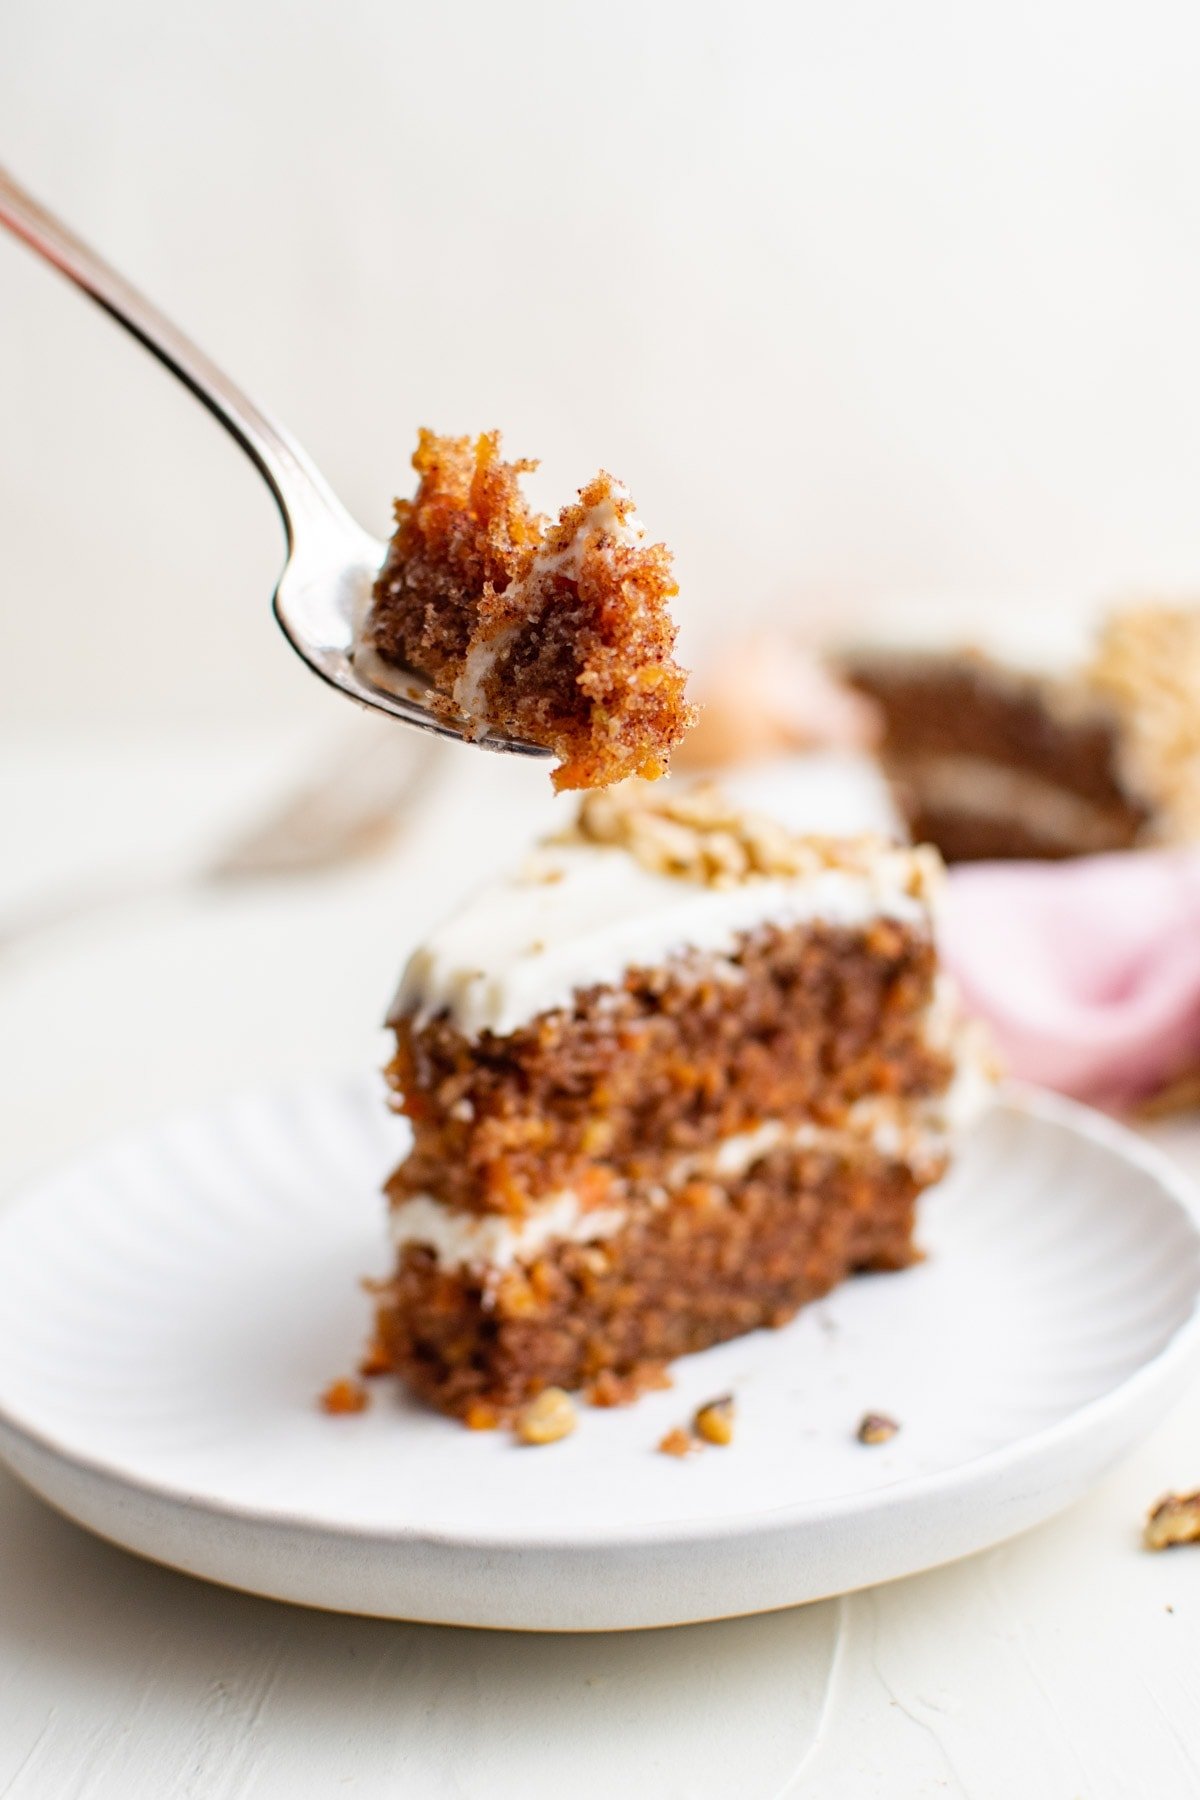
pixel 793 1024
pixel 729 1255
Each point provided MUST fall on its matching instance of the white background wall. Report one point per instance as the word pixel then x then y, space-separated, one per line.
pixel 862 300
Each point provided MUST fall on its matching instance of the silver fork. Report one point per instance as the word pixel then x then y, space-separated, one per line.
pixel 331 561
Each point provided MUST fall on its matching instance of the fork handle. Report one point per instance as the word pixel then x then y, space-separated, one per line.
pixel 298 486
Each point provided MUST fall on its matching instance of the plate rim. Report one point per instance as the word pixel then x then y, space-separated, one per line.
pixel 1019 1098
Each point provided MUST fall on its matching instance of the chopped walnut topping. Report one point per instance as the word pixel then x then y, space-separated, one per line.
pixel 678 1442
pixel 1175 1519
pixel 876 1428
pixel 700 835
pixel 547 1418
pixel 1147 667
pixel 345 1396
pixel 714 1421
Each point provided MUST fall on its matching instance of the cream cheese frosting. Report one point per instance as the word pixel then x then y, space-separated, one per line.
pixel 579 914
pixel 494 1241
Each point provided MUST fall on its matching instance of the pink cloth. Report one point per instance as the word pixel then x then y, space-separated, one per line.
pixel 1088 971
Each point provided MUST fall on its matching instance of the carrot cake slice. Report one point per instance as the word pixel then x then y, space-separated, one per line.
pixel 555 634
pixel 1068 745
pixel 680 1073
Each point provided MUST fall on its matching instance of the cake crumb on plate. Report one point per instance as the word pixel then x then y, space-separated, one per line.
pixel 345 1395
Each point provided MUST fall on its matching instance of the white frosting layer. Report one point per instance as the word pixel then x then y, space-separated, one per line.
pixel 469 690
pixel 491 1241
pixel 578 915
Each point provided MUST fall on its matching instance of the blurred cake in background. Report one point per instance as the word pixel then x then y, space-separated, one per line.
pixel 1019 746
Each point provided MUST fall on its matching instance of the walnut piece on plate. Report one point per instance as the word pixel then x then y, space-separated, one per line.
pixel 714 1421
pixel 876 1428
pixel 1175 1519
pixel 546 1418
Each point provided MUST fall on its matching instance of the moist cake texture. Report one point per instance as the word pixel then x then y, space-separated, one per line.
pixel 994 755
pixel 558 634
pixel 678 1075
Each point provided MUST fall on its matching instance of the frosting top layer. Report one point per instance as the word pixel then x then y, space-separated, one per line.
pixel 579 912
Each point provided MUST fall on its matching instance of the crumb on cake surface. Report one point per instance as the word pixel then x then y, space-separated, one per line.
pixel 558 634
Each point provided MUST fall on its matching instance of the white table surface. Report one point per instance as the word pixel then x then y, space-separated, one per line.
pixel 1063 1665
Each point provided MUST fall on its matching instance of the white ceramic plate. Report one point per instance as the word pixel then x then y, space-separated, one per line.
pixel 170 1308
